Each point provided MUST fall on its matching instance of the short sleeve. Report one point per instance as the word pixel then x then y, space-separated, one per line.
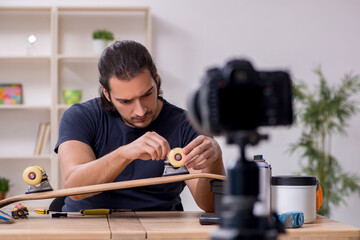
pixel 188 132
pixel 76 124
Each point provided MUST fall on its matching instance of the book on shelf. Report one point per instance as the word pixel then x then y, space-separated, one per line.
pixel 42 138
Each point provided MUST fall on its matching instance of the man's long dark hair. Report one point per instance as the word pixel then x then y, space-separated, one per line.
pixel 124 60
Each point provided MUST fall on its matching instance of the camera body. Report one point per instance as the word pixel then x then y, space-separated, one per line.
pixel 239 98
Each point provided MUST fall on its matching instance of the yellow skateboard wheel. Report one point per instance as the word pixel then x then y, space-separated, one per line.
pixel 32 176
pixel 176 157
pixel 41 169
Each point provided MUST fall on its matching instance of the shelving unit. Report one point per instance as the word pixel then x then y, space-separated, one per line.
pixel 64 58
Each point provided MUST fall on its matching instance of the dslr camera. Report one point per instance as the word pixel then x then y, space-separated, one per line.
pixel 239 98
pixel 234 101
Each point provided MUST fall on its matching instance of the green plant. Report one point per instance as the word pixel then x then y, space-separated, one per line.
pixel 103 34
pixel 322 113
pixel 4 185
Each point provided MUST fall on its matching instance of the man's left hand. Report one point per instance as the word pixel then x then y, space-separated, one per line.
pixel 202 152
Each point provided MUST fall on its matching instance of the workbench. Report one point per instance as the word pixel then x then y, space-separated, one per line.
pixel 150 225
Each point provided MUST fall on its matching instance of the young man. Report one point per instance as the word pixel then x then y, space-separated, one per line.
pixel 126 133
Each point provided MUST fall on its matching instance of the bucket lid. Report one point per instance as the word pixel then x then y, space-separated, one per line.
pixel 293 180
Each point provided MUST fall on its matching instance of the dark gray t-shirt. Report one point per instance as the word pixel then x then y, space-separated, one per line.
pixel 104 132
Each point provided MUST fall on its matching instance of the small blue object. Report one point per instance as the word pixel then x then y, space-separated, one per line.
pixel 6 217
pixel 292 219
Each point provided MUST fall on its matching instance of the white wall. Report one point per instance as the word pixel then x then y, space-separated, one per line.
pixel 298 35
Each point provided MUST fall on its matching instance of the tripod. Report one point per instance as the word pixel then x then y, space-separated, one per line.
pixel 237 220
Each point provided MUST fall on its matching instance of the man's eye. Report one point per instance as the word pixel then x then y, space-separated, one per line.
pixel 125 102
pixel 148 94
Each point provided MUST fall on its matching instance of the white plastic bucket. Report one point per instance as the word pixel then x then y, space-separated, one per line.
pixel 294 193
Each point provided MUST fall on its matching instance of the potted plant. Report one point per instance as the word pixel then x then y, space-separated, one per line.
pixel 101 38
pixel 4 187
pixel 322 113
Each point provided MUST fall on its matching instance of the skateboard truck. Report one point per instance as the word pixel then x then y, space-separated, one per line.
pixel 175 164
pixel 171 170
pixel 37 180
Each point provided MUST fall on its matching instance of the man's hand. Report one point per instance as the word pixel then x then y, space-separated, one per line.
pixel 149 146
pixel 202 152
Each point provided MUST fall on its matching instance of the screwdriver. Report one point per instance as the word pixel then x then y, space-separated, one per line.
pixel 41 211
pixel 53 214
pixel 99 211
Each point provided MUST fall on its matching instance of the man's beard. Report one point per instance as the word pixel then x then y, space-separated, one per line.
pixel 130 122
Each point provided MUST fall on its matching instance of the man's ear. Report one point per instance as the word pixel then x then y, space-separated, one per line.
pixel 106 94
pixel 157 80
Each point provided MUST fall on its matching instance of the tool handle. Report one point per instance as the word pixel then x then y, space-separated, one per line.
pixel 100 211
pixel 207 219
pixel 41 211
pixel 59 215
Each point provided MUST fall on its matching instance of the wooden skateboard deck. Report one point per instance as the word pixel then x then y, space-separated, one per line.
pixel 107 187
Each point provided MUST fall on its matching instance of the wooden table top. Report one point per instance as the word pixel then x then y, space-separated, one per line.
pixel 125 225
pixel 178 225
pixel 185 225
pixel 38 226
pixel 150 225
pixel 324 228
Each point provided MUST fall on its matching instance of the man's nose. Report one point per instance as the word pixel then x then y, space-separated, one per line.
pixel 140 108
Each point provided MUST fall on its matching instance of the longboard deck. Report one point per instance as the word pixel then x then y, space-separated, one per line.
pixel 108 187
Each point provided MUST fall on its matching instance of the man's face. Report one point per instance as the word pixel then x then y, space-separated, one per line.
pixel 136 99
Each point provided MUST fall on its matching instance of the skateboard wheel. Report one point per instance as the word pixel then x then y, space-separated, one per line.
pixel 41 169
pixel 32 176
pixel 176 157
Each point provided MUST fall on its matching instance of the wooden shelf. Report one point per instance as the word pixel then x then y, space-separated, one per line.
pixel 102 10
pixel 25 58
pixel 33 10
pixel 64 59
pixel 25 107
pixel 94 58
pixel 23 157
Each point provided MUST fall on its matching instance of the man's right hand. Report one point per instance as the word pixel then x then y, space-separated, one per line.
pixel 149 146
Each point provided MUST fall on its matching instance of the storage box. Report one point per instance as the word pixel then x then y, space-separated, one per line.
pixel 294 193
pixel 217 188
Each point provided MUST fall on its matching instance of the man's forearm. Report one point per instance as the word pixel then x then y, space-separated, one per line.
pixel 86 170
pixel 203 195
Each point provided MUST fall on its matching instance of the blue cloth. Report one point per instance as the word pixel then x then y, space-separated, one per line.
pixel 105 132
